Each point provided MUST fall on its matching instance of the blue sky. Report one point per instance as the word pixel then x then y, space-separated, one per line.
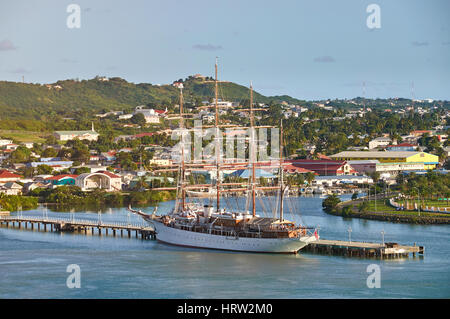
pixel 306 49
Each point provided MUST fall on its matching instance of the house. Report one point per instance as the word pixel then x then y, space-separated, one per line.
pixel 28 144
pixel 4 142
pixel 104 180
pixel 28 187
pixel 7 176
pixel 11 188
pixel 11 146
pixel 401 147
pixel 109 156
pixel 63 179
pixel 292 169
pixel 58 165
pixel 339 180
pixel 324 167
pixel 125 116
pixel 151 116
pixel 91 135
pixel 379 141
pixel 160 162
pixel 419 133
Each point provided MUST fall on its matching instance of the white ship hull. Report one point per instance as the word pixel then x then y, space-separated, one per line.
pixel 186 238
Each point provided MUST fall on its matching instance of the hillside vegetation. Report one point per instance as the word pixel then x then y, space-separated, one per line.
pixel 70 98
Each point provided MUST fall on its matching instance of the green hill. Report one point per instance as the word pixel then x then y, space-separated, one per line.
pixel 69 98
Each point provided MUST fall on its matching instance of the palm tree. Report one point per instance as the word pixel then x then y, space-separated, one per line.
pixel 310 177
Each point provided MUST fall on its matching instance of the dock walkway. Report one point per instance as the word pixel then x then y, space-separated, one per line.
pixel 361 249
pixel 75 225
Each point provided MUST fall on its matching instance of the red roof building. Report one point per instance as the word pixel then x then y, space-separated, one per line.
pixel 7 176
pixel 324 167
pixel 292 169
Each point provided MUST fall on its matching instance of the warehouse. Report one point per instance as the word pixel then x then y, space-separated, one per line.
pixel 413 159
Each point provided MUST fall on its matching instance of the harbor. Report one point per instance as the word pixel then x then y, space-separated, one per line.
pixel 146 232
pixel 36 261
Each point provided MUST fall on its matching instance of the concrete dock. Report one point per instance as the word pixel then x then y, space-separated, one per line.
pixel 365 250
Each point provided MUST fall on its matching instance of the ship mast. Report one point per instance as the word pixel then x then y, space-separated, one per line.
pixel 183 191
pixel 281 172
pixel 217 136
pixel 252 149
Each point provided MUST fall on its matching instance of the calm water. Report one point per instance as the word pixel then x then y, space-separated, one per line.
pixel 33 264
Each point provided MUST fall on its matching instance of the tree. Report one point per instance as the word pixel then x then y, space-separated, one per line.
pixel 355 196
pixel 139 119
pixel 363 207
pixel 82 170
pixel 49 152
pixel 20 155
pixel 44 170
pixel 310 177
pixel 375 176
pixel 330 203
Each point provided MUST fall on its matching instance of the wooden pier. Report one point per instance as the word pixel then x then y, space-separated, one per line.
pixel 87 227
pixel 364 250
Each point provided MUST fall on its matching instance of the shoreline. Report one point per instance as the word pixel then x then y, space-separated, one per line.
pixel 385 216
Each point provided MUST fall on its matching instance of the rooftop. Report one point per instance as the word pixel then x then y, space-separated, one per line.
pixel 374 154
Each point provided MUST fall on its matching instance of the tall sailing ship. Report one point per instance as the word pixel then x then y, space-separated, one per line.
pixel 192 224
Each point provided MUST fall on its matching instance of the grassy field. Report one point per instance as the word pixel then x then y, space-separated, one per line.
pixel 427 202
pixel 23 136
pixel 383 207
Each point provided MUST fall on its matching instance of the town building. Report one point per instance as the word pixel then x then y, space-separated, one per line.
pixel 403 147
pixel 341 180
pixel 60 180
pixel 103 180
pixel 396 160
pixel 379 141
pixel 151 116
pixel 324 167
pixel 11 188
pixel 91 135
pixel 4 142
pixel 7 176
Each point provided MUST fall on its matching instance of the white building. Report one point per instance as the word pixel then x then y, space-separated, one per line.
pixel 91 135
pixel 379 141
pixel 99 180
pixel 4 142
pixel 151 116
pixel 11 188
